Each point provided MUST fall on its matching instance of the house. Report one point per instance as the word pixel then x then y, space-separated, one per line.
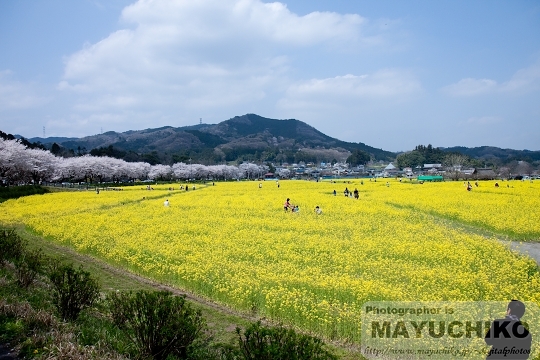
pixel 485 174
pixel 467 173
pixel 428 167
pixel 390 170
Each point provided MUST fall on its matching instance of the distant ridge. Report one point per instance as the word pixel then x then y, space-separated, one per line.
pixel 49 140
pixel 248 137
pixel 492 152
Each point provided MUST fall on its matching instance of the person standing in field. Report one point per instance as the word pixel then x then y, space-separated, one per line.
pixel 356 194
pixel 166 202
pixel 318 210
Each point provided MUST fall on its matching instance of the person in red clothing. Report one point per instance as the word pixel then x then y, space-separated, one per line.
pixel 287 205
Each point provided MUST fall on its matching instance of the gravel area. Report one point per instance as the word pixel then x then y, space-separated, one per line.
pixel 530 249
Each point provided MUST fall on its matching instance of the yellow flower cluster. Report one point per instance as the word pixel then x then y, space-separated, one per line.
pixel 235 244
pixel 510 208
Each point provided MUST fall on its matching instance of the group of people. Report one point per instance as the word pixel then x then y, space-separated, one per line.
pixel 295 209
pixel 288 206
pixel 469 187
pixel 349 193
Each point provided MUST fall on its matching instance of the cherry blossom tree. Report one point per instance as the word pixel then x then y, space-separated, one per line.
pixel 40 165
pixel 12 165
pixel 19 164
pixel 284 173
pixel 162 172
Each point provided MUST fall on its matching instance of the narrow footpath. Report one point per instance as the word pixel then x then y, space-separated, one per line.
pixel 529 249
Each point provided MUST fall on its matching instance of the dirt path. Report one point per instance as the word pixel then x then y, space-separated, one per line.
pixel 122 273
pixel 529 249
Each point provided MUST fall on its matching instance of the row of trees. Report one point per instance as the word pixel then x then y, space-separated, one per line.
pixel 454 162
pixel 20 164
pixel 430 155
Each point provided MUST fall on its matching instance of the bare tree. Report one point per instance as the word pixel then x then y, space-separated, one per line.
pixel 454 164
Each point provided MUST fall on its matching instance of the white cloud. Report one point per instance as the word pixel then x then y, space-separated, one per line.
pixel 181 55
pixel 471 87
pixel 187 21
pixel 385 85
pixel 524 80
pixel 18 95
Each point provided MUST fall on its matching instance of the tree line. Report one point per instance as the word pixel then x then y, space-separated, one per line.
pixel 21 164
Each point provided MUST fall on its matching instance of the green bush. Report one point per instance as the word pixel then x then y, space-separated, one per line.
pixel 73 290
pixel 28 266
pixel 11 245
pixel 260 342
pixel 14 192
pixel 158 323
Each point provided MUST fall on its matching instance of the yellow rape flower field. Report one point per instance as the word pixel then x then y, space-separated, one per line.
pixel 233 243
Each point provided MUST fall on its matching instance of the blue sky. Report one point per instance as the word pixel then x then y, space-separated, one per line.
pixel 391 74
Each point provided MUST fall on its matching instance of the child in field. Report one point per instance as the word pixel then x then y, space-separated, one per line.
pixel 287 205
pixel 318 210
pixel 166 202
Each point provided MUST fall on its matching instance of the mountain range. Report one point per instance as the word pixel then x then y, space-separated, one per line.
pixel 248 137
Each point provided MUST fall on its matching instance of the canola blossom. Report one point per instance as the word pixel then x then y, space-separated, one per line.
pixel 233 243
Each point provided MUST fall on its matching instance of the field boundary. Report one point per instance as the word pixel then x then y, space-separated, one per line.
pixel 528 248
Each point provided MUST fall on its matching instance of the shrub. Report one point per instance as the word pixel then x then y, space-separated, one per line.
pixel 260 342
pixel 28 266
pixel 158 323
pixel 14 192
pixel 73 290
pixel 11 245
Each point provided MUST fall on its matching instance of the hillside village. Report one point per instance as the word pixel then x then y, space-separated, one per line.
pixel 388 170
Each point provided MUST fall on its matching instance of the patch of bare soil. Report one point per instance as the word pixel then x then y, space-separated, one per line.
pixel 527 248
